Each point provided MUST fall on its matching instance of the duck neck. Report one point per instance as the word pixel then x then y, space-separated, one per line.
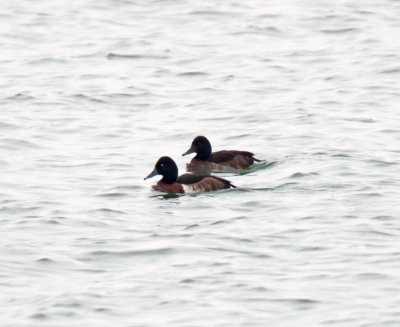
pixel 170 178
pixel 204 153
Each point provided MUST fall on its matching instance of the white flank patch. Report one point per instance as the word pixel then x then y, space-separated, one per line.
pixel 189 189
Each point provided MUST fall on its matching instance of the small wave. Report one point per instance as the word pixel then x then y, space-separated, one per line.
pixel 269 16
pixel 192 226
pixel 332 17
pixel 47 60
pixel 68 305
pixel 112 195
pixel 212 13
pixel 45 260
pixel 339 30
pixel 125 95
pixel 361 120
pixel 192 74
pixel 134 56
pixel 298 301
pixel 266 29
pixel 20 97
pixel 371 194
pixel 384 217
pixel 127 187
pixel 372 275
pixel 4 126
pixel 86 97
pixel 312 248
pixel 389 131
pixel 19 210
pixel 394 70
pixel 236 137
pixel 258 31
pixel 130 253
pixel 365 12
pixel 382 162
pixel 225 221
pixel 263 189
pixel 254 254
pixel 52 222
pixel 381 233
pixel 341 155
pixel 299 175
pixel 124 56
pixel 38 316
pixel 107 210
pixel 219 222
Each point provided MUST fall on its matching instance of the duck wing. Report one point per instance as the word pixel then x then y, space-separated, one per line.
pixel 228 155
pixel 200 182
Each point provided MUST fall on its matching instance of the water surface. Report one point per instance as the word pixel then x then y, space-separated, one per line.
pixel 93 93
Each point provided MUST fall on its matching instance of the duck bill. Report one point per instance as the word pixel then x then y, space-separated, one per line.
pixel 152 174
pixel 191 150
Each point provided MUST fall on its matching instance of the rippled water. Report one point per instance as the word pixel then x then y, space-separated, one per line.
pixel 94 92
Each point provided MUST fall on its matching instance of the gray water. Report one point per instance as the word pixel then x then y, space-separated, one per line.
pixel 92 93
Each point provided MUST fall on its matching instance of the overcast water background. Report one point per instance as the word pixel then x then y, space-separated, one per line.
pixel 94 92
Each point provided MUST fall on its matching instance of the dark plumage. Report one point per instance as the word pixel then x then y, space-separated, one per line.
pixel 205 158
pixel 185 183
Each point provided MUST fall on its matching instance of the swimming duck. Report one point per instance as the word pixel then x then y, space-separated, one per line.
pixel 186 183
pixel 220 159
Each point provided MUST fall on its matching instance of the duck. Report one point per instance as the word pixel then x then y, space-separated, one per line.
pixel 186 183
pixel 205 158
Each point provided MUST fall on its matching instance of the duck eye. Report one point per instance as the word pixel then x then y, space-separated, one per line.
pixel 162 165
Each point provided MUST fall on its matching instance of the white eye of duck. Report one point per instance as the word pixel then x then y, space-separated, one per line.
pixel 162 165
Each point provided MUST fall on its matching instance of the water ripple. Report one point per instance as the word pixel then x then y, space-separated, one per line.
pixel 95 92
pixel 134 56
